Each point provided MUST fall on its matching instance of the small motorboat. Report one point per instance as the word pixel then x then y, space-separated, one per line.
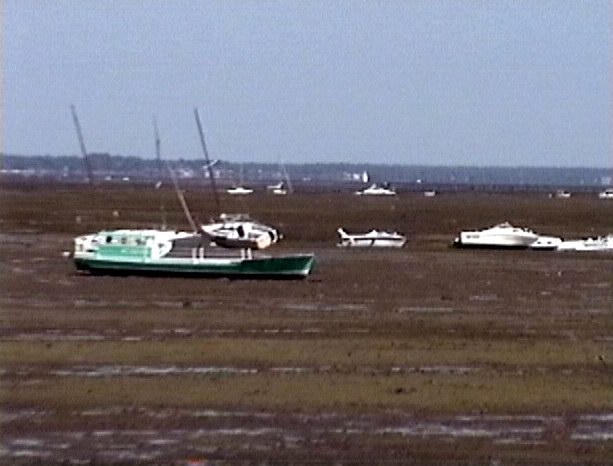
pixel 372 239
pixel 561 194
pixel 239 191
pixel 602 243
pixel 503 236
pixel 376 190
pixel 606 194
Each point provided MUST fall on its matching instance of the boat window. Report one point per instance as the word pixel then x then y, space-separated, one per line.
pixel 109 239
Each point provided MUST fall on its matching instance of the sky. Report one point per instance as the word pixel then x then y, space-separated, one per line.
pixel 434 82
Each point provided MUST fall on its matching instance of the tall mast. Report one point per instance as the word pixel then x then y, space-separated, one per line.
pixel 209 167
pixel 290 188
pixel 158 156
pixel 186 211
pixel 88 168
pixel 175 183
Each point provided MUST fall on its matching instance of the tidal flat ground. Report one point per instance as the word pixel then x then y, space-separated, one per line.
pixel 424 355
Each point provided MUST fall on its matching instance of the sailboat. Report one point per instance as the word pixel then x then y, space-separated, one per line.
pixel 184 253
pixel 277 189
pixel 233 230
pixel 283 187
pixel 240 231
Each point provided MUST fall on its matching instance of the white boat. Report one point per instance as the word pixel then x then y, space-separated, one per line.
pixel 372 239
pixel 277 189
pixel 240 231
pixel 239 191
pixel 376 190
pixel 561 194
pixel 602 243
pixel 546 243
pixel 504 236
pixel 606 194
pixel 430 193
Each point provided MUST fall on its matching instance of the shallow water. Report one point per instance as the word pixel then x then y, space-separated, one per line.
pixel 262 431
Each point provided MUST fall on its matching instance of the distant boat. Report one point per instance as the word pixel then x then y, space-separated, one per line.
pixel 372 239
pixel 430 193
pixel 278 189
pixel 504 236
pixel 606 194
pixel 284 186
pixel 376 190
pixel 174 253
pixel 602 243
pixel 561 194
pixel 239 191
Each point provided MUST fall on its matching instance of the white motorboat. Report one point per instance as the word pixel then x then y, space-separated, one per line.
pixel 240 231
pixel 561 194
pixel 277 189
pixel 239 191
pixel 602 243
pixel 376 190
pixel 546 243
pixel 606 194
pixel 372 239
pixel 430 193
pixel 504 236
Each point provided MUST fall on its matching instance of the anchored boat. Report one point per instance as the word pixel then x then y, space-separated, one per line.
pixel 376 190
pixel 504 236
pixel 606 194
pixel 240 231
pixel 602 243
pixel 372 239
pixel 160 252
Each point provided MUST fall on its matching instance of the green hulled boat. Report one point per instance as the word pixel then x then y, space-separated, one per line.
pixel 160 252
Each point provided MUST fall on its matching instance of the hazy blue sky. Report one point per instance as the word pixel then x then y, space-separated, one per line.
pixel 468 82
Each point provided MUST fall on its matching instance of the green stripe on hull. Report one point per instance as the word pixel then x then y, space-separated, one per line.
pixel 296 266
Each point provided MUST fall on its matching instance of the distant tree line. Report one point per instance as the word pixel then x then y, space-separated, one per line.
pixel 105 164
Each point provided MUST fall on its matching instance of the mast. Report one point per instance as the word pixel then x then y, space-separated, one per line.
pixel 158 156
pixel 186 211
pixel 290 188
pixel 175 183
pixel 209 166
pixel 88 168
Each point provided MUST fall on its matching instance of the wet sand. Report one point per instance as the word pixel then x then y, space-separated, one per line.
pixel 425 355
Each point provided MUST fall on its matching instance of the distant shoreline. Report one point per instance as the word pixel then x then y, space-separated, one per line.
pixel 115 168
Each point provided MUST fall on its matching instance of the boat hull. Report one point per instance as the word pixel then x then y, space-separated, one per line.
pixel 477 240
pixel 280 267
pixel 460 245
pixel 372 243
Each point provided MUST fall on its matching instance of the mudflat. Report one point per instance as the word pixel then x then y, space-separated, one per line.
pixel 423 355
